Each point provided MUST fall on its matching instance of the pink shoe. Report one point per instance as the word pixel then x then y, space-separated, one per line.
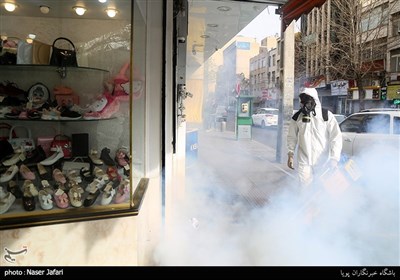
pixel 61 199
pixel 122 191
pixel 26 173
pixel 59 176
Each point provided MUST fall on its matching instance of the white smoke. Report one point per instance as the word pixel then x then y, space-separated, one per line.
pixel 355 226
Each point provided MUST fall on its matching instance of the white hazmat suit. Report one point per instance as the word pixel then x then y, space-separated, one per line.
pixel 318 142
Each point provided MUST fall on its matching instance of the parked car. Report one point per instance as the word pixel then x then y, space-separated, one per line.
pixel 339 117
pixel 370 131
pixel 265 117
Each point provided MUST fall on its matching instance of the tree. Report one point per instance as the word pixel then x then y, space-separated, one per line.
pixel 352 45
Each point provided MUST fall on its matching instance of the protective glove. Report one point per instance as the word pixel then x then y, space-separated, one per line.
pixel 290 161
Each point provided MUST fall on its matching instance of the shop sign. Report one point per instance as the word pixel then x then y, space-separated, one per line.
pixel 339 87
pixel 393 92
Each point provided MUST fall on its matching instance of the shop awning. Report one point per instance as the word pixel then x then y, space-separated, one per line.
pixel 293 10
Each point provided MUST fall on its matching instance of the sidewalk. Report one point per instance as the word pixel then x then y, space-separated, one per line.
pixel 243 167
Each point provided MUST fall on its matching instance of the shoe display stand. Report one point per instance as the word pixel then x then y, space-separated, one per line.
pixel 71 194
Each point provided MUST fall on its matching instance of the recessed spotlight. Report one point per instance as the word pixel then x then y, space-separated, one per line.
pixel 111 12
pixel 102 1
pixel 224 8
pixel 212 25
pixel 30 38
pixel 10 7
pixel 204 36
pixel 79 10
pixel 44 9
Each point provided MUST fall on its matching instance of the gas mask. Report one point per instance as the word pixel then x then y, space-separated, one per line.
pixel 308 106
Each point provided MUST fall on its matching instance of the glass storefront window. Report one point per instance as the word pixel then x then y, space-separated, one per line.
pixel 74 87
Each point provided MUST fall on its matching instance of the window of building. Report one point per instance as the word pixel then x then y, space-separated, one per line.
pixel 395 61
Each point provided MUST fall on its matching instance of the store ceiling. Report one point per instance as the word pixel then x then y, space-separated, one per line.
pixel 64 9
pixel 212 23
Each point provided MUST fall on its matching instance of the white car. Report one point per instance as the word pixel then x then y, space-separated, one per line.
pixel 339 117
pixel 265 117
pixel 370 131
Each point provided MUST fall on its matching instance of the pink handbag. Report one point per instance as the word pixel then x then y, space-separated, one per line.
pixel 45 143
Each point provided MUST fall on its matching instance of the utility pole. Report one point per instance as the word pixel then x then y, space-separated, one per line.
pixel 287 90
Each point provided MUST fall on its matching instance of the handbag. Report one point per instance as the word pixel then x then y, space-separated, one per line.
pixel 7 127
pixel 63 57
pixel 26 143
pixel 63 141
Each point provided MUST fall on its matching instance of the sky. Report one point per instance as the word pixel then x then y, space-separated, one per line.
pixel 267 23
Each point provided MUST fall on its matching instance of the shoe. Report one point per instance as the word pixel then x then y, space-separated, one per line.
pixel 91 198
pixel 61 199
pixel 94 158
pixel 14 189
pixel 54 157
pixel 97 184
pixel 105 157
pixel 108 194
pixel 26 173
pixel 6 200
pixel 9 174
pixel 108 111
pixel 59 176
pixel 75 196
pixel 29 187
pixel 43 174
pixel 37 155
pixel 122 191
pixel 73 177
pixel 50 114
pixel 45 200
pixel 122 157
pixel 67 114
pixel 28 199
pixel 112 173
pixel 86 174
pixel 14 159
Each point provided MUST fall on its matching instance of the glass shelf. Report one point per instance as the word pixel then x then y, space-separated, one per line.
pixel 47 67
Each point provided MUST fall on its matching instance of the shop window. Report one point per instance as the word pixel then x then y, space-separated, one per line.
pixel 91 111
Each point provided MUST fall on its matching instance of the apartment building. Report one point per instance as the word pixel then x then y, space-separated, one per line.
pixel 264 74
pixel 378 41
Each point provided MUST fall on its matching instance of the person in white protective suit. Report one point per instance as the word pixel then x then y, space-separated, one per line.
pixel 315 133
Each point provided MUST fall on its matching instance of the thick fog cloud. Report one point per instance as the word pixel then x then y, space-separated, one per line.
pixel 357 225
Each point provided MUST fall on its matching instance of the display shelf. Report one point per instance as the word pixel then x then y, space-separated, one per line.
pixel 43 67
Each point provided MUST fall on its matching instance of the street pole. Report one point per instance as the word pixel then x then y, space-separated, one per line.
pixel 287 91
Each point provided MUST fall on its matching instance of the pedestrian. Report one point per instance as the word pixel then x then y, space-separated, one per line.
pixel 316 135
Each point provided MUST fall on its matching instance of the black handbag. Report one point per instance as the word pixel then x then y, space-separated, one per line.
pixel 63 57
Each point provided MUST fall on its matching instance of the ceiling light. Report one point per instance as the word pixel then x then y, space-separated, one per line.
pixel 111 12
pixel 10 7
pixel 80 11
pixel 44 9
pixel 223 8
pixel 30 38
pixel 102 1
pixel 212 25
pixel 205 36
